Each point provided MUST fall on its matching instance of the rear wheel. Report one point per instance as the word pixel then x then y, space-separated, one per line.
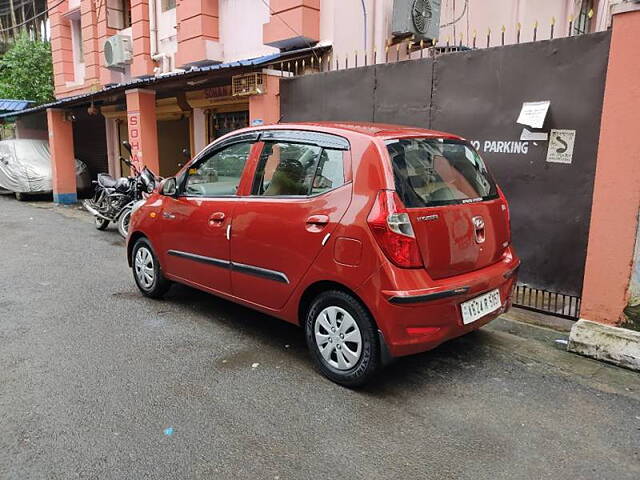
pixel 123 223
pixel 342 338
pixel 146 270
pixel 101 223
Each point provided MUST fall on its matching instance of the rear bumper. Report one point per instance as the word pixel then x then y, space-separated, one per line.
pixel 414 321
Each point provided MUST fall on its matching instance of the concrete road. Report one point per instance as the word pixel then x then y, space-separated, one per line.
pixel 98 382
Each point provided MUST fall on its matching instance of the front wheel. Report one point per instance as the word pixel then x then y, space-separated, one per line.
pixel 101 223
pixel 146 270
pixel 342 338
pixel 123 223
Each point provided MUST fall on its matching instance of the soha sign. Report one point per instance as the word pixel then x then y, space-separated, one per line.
pixel 133 120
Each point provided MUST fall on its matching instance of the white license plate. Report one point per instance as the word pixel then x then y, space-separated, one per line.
pixel 480 306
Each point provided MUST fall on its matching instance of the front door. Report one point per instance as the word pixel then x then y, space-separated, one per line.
pixel 297 197
pixel 197 223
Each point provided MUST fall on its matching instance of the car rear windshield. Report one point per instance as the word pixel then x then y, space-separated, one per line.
pixel 431 172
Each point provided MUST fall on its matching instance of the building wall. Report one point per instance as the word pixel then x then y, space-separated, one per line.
pixel 246 41
pixel 201 31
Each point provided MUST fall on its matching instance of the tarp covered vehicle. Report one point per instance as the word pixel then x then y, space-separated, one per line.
pixel 25 168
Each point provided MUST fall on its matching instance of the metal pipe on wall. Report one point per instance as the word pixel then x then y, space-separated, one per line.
pixel 153 34
pixel 364 13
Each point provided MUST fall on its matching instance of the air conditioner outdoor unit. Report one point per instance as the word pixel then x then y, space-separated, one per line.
pixel 420 18
pixel 118 52
pixel 247 84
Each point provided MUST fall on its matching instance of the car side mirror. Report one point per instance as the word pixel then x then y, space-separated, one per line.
pixel 170 187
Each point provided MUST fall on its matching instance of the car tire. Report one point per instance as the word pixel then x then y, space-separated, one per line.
pixel 101 223
pixel 123 223
pixel 342 338
pixel 146 270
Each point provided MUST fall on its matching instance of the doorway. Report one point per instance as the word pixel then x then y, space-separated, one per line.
pixel 173 139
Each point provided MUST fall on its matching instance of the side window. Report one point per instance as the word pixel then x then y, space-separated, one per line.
pixel 330 172
pixel 287 168
pixel 219 173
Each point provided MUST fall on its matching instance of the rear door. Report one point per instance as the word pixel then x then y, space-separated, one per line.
pixel 459 218
pixel 299 193
pixel 196 224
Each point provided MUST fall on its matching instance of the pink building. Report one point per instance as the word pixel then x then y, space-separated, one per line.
pixel 175 74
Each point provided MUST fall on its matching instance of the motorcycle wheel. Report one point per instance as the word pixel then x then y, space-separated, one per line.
pixel 123 223
pixel 101 223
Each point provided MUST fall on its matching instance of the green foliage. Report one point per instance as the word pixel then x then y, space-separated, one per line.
pixel 26 71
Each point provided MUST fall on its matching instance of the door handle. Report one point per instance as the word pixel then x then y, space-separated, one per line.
pixel 168 215
pixel 315 223
pixel 318 219
pixel 216 219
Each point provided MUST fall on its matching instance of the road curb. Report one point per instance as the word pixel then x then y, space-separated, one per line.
pixel 616 345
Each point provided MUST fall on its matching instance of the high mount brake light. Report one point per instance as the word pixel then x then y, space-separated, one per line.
pixel 391 226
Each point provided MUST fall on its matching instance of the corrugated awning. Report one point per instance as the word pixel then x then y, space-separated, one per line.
pixel 160 79
pixel 10 105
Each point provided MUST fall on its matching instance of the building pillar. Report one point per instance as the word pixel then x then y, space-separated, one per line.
pixel 104 32
pixel 613 232
pixel 90 43
pixel 265 108
pixel 198 32
pixel 113 149
pixel 63 163
pixel 143 128
pixel 61 44
pixel 200 133
pixel 141 36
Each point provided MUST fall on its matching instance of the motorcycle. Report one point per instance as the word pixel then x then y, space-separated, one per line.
pixel 113 199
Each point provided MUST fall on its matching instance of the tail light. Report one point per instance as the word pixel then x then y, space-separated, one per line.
pixel 391 226
pixel 507 213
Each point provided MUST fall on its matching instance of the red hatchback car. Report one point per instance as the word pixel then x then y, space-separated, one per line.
pixel 379 240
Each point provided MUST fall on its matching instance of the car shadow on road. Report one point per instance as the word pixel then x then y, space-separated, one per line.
pixel 443 364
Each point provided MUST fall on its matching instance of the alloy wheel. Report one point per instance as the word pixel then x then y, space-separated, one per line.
pixel 143 265
pixel 338 338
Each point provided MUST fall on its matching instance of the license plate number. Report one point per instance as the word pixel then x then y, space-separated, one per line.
pixel 480 306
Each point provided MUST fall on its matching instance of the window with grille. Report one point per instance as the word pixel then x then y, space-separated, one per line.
pixel 583 19
pixel 222 123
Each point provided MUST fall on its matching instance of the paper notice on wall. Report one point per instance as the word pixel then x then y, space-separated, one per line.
pixel 561 146
pixel 529 136
pixel 533 114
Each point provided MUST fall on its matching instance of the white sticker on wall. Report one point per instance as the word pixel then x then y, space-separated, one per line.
pixel 561 146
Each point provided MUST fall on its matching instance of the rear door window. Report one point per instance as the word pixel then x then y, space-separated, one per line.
pixel 432 172
pixel 296 169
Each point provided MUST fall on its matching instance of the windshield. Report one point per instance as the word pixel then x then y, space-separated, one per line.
pixel 431 172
